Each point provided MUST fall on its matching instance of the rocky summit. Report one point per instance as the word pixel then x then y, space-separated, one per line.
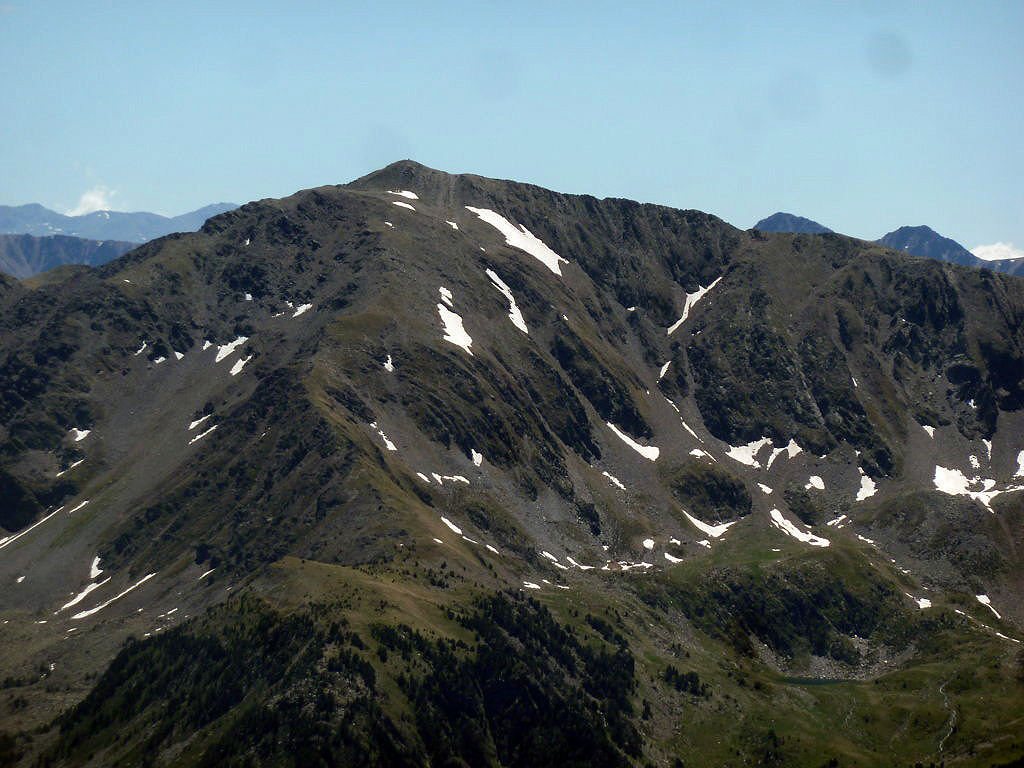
pixel 441 470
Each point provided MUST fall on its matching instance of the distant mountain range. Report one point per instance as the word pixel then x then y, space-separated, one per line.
pixel 139 227
pixel 25 255
pixel 918 241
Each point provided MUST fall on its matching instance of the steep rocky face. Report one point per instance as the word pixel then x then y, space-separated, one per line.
pixel 381 413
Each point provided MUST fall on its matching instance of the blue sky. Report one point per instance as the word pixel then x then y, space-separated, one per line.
pixel 863 115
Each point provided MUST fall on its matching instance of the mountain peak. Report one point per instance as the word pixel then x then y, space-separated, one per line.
pixel 788 222
pixel 924 241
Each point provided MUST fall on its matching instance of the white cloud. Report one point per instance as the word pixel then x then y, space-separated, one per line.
pixel 997 251
pixel 98 198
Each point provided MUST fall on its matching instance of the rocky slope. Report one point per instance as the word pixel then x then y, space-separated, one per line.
pixel 472 472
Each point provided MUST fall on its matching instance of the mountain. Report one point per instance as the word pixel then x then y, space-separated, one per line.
pixel 34 219
pixel 926 242
pixel 787 222
pixel 434 469
pixel 24 255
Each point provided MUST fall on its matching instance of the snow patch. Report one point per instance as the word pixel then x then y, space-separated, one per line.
pixel 867 486
pixel 226 349
pixel 513 311
pixel 178 355
pixel 159 360
pixel 141 349
pixel 388 365
pixel 984 600
pixel 72 511
pixel 922 602
pixel 81 595
pixel 405 193
pixel 714 531
pixel 239 365
pixel 929 430
pixel 452 224
pixel 478 458
pixel 71 466
pixel 664 370
pixel 451 525
pixel 94 569
pixel 745 454
pixel 201 435
pixel 402 205
pixel 672 559
pixel 784 525
pixel 690 303
pixel 80 434
pixel 520 237
pixel 205 574
pixel 764 488
pixel 531 585
pixel 648 544
pixel 647 451
pixel 453 330
pixel 614 479
pixel 815 482
pixel 101 606
pixel 302 310
pixel 199 421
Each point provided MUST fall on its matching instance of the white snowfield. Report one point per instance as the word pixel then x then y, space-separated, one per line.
pixel 929 430
pixel 792 448
pixel 745 454
pixel 984 600
pixel 70 466
pixel 388 365
pixel 405 193
pixel 784 525
pixel 867 486
pixel 765 489
pixel 956 483
pixel 476 456
pixel 81 595
pixel 94 569
pixel 513 310
pixel 387 443
pixel 615 481
pixel 453 330
pixel 199 421
pixel 451 224
pixel 101 606
pixel 664 370
pixel 80 434
pixel 520 237
pixel 647 451
pixel 648 544
pixel 451 525
pixel 922 602
pixel 226 349
pixel 201 435
pixel 815 482
pixel 714 531
pixel 239 365
pixel 672 559
pixel 302 310
pixel 402 205
pixel 690 303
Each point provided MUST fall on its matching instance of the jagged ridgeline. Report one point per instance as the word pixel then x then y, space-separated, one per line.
pixel 440 470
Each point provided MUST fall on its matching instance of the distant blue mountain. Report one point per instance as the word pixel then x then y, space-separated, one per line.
pixel 34 219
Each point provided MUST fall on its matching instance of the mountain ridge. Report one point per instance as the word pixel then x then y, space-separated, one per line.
pixel 398 429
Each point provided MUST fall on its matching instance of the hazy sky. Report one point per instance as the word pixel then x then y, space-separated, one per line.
pixel 861 115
